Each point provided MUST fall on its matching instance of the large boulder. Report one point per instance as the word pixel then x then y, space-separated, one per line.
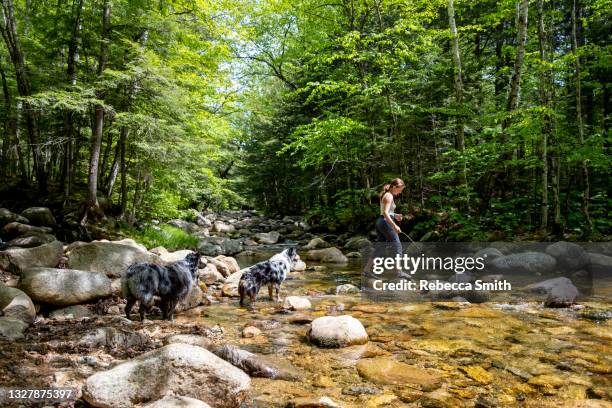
pixel 257 365
pixel 18 259
pixel 39 216
pixel 226 265
pixel 64 287
pixel 213 246
pixel 532 263
pixel 560 292
pixel 16 229
pixel 109 258
pixel 327 255
pixel 7 216
pixel 317 243
pixel 210 274
pixel 600 265
pixel 570 257
pixel 337 331
pixel 30 241
pixel 178 369
pixel 269 238
pixel 15 304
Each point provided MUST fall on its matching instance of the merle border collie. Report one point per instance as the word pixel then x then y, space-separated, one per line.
pixel 171 283
pixel 271 273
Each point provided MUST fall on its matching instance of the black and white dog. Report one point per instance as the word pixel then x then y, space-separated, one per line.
pixel 171 283
pixel 271 272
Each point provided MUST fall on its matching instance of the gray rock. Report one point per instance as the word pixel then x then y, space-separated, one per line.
pixel 268 238
pixel 317 243
pixel 63 287
pixel 15 304
pixel 110 258
pixel 532 263
pixel 31 241
pixel 17 229
pixel 327 255
pixel 7 216
pixel 210 275
pixel 213 246
pixel 71 312
pixel 357 244
pixel 337 331
pixel 15 260
pixel 224 228
pixel 600 265
pixel 570 257
pixel 191 339
pixel 257 365
pixel 40 216
pixel 12 329
pixel 188 227
pixel 179 369
pixel 194 298
pixel 113 338
pixel 560 292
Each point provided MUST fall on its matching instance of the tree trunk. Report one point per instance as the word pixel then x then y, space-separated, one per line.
pixel 8 29
pixel 579 121
pixel 545 85
pixel 458 96
pixel 515 83
pixel 96 134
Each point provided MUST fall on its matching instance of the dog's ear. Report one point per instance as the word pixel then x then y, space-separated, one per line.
pixel 292 252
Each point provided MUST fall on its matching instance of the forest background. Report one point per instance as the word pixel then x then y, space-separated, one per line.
pixel 495 113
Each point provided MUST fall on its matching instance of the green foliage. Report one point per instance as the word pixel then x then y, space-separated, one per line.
pixel 167 236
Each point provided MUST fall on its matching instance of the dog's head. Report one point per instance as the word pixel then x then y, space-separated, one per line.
pixel 193 260
pixel 292 255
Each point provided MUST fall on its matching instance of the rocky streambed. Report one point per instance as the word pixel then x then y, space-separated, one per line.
pixel 324 345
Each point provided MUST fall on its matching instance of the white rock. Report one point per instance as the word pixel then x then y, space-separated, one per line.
pixel 337 331
pixel 296 303
pixel 178 369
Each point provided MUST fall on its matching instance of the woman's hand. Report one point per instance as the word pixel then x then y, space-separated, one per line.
pixel 397 228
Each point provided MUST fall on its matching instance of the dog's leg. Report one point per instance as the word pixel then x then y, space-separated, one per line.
pixel 241 299
pixel 131 300
pixel 270 290
pixel 164 308
pixel 171 307
pixel 277 287
pixel 142 310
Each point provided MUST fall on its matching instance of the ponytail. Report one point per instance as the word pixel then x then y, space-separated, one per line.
pixel 397 182
pixel 385 189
